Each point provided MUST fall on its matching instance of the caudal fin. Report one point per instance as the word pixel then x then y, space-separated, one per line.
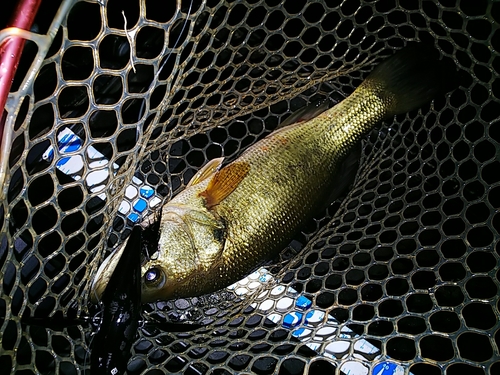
pixel 413 77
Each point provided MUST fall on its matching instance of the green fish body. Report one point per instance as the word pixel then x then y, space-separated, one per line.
pixel 229 219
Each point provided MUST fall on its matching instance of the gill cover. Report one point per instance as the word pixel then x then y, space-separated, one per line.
pixel 192 233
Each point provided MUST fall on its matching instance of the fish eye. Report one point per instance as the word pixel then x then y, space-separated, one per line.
pixel 154 277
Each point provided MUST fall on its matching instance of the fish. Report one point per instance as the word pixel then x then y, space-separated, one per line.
pixel 230 218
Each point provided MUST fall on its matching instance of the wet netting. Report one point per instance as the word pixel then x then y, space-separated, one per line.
pixel 126 100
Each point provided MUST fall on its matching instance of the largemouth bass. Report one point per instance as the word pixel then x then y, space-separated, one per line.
pixel 229 219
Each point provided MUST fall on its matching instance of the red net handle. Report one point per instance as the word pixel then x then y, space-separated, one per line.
pixel 11 49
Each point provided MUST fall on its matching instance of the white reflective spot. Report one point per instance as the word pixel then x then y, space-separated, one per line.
pixel 241 291
pixel 364 346
pixel 266 305
pixel 284 304
pixel 276 291
pixel 337 347
pixel 254 285
pixel 275 318
pixel 131 192
pixel 354 368
pixel 124 208
pixel 325 332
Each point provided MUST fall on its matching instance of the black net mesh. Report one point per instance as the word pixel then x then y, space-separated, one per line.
pixel 401 273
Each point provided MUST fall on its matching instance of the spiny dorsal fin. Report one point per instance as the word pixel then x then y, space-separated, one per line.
pixel 224 182
pixel 306 113
pixel 208 170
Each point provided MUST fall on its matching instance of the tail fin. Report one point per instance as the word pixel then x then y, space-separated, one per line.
pixel 413 77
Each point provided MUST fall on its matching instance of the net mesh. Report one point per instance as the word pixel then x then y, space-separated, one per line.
pixel 402 269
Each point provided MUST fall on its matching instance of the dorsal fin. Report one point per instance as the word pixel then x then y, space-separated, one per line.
pixel 306 113
pixel 206 171
pixel 224 182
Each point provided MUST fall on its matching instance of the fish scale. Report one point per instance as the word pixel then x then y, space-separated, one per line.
pixel 229 220
pixel 268 207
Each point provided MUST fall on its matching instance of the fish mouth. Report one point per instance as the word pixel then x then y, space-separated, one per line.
pixel 104 272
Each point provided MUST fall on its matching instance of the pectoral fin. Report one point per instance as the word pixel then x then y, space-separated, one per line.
pixel 208 170
pixel 224 182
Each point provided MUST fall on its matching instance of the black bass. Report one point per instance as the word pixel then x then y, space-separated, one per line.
pixel 229 219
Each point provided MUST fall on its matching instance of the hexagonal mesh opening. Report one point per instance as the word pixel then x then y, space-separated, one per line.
pixel 401 272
